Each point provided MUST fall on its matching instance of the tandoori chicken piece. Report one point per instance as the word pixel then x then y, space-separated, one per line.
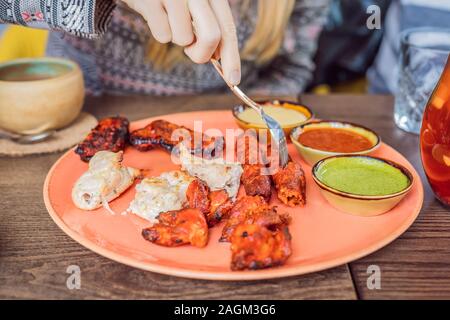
pixel 157 134
pixel 252 210
pixel 110 134
pixel 248 149
pixel 176 228
pixel 254 246
pixel 242 208
pixel 220 207
pixel 197 195
pixel 144 139
pixel 290 184
pixel 255 182
pixel 214 205
pixel 164 134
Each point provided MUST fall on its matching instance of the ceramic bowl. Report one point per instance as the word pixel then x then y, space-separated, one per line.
pixel 39 94
pixel 361 205
pixel 280 103
pixel 311 155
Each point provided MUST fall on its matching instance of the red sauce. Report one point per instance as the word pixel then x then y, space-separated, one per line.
pixel 334 140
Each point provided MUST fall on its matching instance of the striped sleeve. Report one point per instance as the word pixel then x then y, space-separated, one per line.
pixel 84 18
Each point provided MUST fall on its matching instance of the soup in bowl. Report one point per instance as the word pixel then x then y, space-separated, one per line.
pixel 39 94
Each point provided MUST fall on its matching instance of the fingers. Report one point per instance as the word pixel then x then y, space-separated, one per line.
pixel 157 19
pixel 207 31
pixel 229 49
pixel 180 22
pixel 204 27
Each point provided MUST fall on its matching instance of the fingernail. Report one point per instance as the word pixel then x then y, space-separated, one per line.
pixel 235 77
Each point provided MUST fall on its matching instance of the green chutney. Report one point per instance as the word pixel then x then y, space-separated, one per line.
pixel 362 176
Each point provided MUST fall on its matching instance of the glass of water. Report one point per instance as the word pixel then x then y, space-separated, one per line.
pixel 423 55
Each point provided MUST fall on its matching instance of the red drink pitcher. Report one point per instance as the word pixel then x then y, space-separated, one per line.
pixel 435 138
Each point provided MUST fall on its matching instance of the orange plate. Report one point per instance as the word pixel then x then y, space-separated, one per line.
pixel 322 236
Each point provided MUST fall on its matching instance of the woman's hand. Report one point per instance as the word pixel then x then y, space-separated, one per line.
pixel 204 27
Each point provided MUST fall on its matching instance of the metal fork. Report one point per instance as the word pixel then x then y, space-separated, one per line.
pixel 275 129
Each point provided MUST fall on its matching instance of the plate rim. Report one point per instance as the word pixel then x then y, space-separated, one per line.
pixel 264 274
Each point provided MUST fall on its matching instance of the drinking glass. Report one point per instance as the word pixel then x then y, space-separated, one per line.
pixel 423 55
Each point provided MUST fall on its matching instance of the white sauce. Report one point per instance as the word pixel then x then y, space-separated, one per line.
pixel 284 116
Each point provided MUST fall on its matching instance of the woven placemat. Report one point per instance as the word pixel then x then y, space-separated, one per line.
pixel 61 140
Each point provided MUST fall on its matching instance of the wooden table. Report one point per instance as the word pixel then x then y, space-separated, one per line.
pixel 35 253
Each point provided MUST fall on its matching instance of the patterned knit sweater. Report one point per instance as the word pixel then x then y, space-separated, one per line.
pixel 109 43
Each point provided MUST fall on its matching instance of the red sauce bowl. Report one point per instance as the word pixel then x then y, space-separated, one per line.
pixel 313 154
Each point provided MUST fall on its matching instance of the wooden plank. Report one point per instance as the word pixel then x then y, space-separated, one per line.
pixel 35 253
